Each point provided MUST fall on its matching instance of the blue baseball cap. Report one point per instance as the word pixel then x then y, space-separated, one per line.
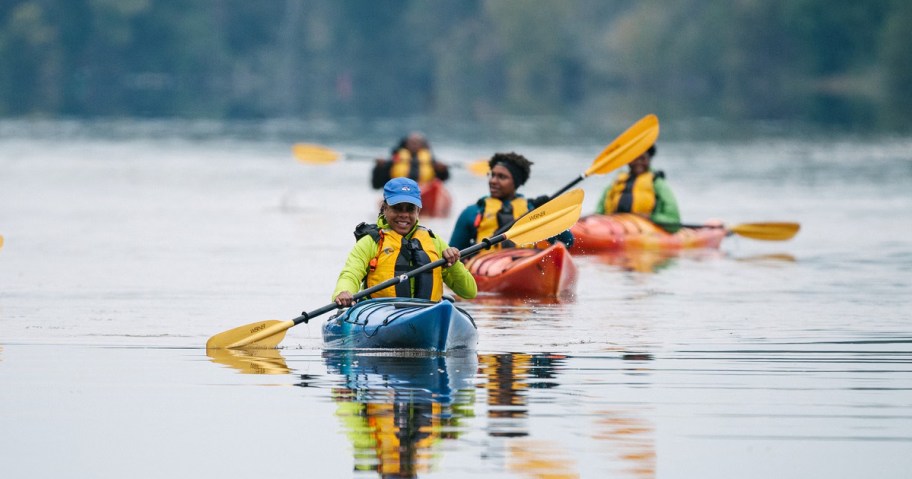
pixel 402 190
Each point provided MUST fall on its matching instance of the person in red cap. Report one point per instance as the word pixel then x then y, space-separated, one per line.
pixel 396 244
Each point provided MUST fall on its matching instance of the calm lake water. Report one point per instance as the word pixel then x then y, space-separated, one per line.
pixel 125 250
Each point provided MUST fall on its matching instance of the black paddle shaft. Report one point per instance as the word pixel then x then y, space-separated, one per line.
pixel 569 185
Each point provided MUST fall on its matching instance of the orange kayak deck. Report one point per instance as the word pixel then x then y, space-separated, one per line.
pixel 594 234
pixel 526 272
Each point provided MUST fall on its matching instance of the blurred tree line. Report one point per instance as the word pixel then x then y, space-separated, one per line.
pixel 468 59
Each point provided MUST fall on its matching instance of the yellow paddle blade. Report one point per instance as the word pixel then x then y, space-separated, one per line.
pixel 478 167
pixel 250 361
pixel 766 231
pixel 262 334
pixel 1 241
pixel 547 220
pixel 308 153
pixel 626 147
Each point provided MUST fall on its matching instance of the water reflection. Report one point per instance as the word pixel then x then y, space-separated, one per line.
pixel 250 361
pixel 507 301
pixel 397 409
pixel 654 261
pixel 769 258
pixel 630 437
pixel 509 379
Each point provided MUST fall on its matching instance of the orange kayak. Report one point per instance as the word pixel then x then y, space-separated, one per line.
pixel 435 200
pixel 594 234
pixel 526 272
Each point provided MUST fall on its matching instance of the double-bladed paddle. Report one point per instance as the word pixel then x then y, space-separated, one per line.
pixel 629 145
pixel 774 231
pixel 543 222
pixel 323 155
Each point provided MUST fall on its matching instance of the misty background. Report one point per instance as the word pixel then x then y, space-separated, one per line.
pixel 593 64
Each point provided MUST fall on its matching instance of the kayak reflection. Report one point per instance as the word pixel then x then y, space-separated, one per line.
pixel 510 379
pixel 507 377
pixel 653 261
pixel 623 431
pixel 397 408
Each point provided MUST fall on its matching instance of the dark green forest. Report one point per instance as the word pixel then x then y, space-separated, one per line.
pixel 839 61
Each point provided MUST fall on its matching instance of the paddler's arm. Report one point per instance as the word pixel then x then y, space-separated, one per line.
pixel 457 277
pixel 565 237
pixel 465 231
pixel 355 269
pixel 600 206
pixel 666 210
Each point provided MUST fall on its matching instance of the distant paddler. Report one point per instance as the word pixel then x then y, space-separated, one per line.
pixel 643 191
pixel 410 158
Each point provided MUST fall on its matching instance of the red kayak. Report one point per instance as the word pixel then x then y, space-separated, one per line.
pixel 435 200
pixel 594 234
pixel 525 272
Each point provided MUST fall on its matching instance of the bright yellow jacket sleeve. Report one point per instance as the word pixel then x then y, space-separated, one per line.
pixel 355 270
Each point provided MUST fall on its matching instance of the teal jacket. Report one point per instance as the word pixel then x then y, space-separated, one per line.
pixel 465 232
pixel 351 278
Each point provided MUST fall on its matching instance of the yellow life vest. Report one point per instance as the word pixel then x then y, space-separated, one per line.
pixel 644 196
pixel 394 260
pixel 487 223
pixel 402 165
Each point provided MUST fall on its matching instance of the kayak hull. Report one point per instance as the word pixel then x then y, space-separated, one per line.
pixel 401 323
pixel 436 201
pixel 595 234
pixel 525 272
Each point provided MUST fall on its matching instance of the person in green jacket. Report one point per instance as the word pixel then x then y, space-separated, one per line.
pixel 397 244
pixel 642 191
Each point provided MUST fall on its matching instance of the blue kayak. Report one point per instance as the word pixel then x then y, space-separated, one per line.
pixel 401 323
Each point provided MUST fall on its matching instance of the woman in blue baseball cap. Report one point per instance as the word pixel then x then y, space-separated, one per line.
pixel 397 244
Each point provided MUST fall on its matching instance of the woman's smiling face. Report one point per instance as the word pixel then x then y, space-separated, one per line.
pixel 402 217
